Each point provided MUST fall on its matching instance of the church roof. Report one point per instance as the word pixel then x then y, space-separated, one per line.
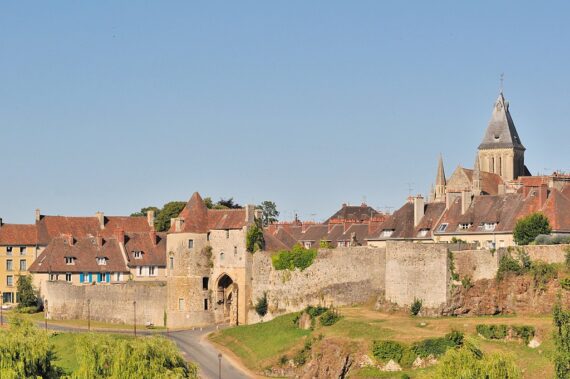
pixel 440 178
pixel 501 132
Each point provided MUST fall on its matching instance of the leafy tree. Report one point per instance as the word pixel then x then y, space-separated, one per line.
pixel 562 341
pixel 144 210
pixel 208 202
pixel 262 306
pixel 254 239
pixel 26 292
pixel 227 204
pixel 269 211
pixel 168 211
pixel 297 257
pixel 416 307
pixel 529 227
pixel 25 352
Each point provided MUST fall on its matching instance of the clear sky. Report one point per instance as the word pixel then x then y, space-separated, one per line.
pixel 112 106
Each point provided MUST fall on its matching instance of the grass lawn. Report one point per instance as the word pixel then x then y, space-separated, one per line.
pixel 262 344
pixel 256 344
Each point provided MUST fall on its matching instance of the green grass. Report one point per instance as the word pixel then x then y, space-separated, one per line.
pixel 255 344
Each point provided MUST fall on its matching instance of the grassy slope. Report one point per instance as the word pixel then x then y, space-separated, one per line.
pixel 263 344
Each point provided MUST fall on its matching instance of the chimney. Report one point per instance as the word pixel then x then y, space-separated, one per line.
pixel 38 215
pixel 466 200
pixel 120 234
pixel 258 214
pixel 150 218
pixel 249 213
pixel 1 223
pixel 69 239
pixel 542 194
pixel 177 222
pixel 101 218
pixel 419 205
pixel 99 241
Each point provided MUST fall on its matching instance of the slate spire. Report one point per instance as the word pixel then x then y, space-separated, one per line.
pixel 501 131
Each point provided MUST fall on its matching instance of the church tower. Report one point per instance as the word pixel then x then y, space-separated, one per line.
pixel 501 151
pixel 440 182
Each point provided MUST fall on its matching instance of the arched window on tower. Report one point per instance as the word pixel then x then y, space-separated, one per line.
pixel 500 166
pixel 492 165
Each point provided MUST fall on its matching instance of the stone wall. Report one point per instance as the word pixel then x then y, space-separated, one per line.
pixel 109 303
pixel 342 276
pixel 417 271
pixel 476 264
pixel 547 253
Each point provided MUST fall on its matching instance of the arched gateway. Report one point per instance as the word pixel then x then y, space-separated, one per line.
pixel 227 300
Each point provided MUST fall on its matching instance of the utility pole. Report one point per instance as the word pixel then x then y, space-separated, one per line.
pixel 135 316
pixel 219 366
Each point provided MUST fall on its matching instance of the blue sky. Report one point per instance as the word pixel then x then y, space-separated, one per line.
pixel 113 105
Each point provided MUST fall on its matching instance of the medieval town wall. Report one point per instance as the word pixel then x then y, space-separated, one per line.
pixel 417 271
pixel 476 264
pixel 108 303
pixel 547 253
pixel 341 276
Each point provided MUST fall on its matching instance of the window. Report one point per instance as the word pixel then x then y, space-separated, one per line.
pixel 101 261
pixel 137 254
pixel 9 265
pixel 307 244
pixel 7 297
pixel 423 232
pixel 190 244
pixel 118 277
pixel 227 233
pixel 68 277
pixel 501 243
pixel 22 250
pixel 442 227
pixel 70 260
pixel 205 281
pixel 464 226
pixel 9 280
pixel 387 232
pixel 23 265
pixel 489 226
pixel 86 277
pixel 208 236
pixel 180 304
pixel 172 263
pixel 235 250
pixel 152 270
pixel 9 250
pixel 490 244
pixel 53 277
pixel 221 256
pixel 205 304
pixel 140 270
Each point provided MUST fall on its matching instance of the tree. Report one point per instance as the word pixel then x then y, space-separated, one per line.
pixel 261 306
pixel 208 202
pixel 26 292
pixel 530 227
pixel 254 239
pixel 561 320
pixel 143 211
pixel 168 211
pixel 227 204
pixel 269 212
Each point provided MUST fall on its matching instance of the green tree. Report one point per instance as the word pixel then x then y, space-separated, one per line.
pixel 144 210
pixel 269 211
pixel 26 292
pixel 530 227
pixel 254 239
pixel 261 306
pixel 227 204
pixel 168 211
pixel 208 202
pixel 562 341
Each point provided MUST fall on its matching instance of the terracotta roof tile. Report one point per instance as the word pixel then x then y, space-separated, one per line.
pixel 18 234
pixel 151 245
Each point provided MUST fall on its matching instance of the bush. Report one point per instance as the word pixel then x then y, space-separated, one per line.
pixel 329 318
pixel 466 282
pixel 508 265
pixel 325 244
pixel 254 240
pixel 542 273
pixel 567 257
pixel 416 307
pixel 528 228
pixel 494 332
pixel 261 306
pixel 386 350
pixel 303 355
pixel 408 358
pixel 437 346
pixel 315 311
pixel 565 283
pixel 297 257
pixel 26 292
pixel 545 239
pixel 524 332
pixel 27 310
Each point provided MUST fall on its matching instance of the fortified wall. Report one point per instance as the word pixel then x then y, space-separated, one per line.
pixel 341 276
pixel 108 303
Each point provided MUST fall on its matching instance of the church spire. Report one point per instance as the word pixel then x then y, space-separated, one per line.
pixel 476 177
pixel 440 181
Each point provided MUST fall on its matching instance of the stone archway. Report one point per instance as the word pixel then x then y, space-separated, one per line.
pixel 227 299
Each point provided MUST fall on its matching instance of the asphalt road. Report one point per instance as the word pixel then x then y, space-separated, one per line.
pixel 194 347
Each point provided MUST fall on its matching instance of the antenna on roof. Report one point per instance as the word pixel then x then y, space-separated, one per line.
pixel 410 188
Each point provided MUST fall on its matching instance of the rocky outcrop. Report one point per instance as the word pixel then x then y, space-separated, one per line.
pixel 331 359
pixel 513 294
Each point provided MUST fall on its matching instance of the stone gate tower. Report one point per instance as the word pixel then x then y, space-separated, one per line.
pixel 501 151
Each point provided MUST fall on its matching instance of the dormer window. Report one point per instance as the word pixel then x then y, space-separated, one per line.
pixel 464 226
pixel 489 226
pixel 442 227
pixel 138 254
pixel 423 232
pixel 101 261
pixel 387 232
pixel 69 260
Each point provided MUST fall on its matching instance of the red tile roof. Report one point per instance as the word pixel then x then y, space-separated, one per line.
pixel 18 234
pixel 151 245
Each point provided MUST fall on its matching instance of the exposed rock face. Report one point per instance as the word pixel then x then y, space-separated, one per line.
pixel 391 366
pixel 534 343
pixel 304 321
pixel 513 294
pixel 331 359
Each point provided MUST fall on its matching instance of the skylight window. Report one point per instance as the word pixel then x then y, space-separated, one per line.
pixel 387 232
pixel 442 227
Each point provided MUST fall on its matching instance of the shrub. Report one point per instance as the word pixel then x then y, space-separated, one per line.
pixel 416 307
pixel 545 239
pixel 565 284
pixel 27 310
pixel 325 244
pixel 466 282
pixel 542 273
pixel 315 311
pixel 567 257
pixel 524 260
pixel 456 337
pixel 408 358
pixel 508 265
pixel 26 292
pixel 528 228
pixel 405 376
pixel 303 355
pixel 495 332
pixel 254 240
pixel 386 350
pixel 283 360
pixel 297 257
pixel 524 332
pixel 329 318
pixel 437 346
pixel 261 305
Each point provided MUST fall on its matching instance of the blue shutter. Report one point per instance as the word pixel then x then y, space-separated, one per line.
pixel 81 276
pixel 108 277
pixel 90 277
pixel 99 278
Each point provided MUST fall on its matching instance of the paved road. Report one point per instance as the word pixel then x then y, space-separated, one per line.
pixel 194 346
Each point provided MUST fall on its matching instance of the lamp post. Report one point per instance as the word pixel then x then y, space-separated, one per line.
pixel 219 366
pixel 45 314
pixel 135 316
pixel 88 315
pixel 1 309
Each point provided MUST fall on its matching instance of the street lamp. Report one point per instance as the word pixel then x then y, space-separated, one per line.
pixel 135 316
pixel 219 365
pixel 1 309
